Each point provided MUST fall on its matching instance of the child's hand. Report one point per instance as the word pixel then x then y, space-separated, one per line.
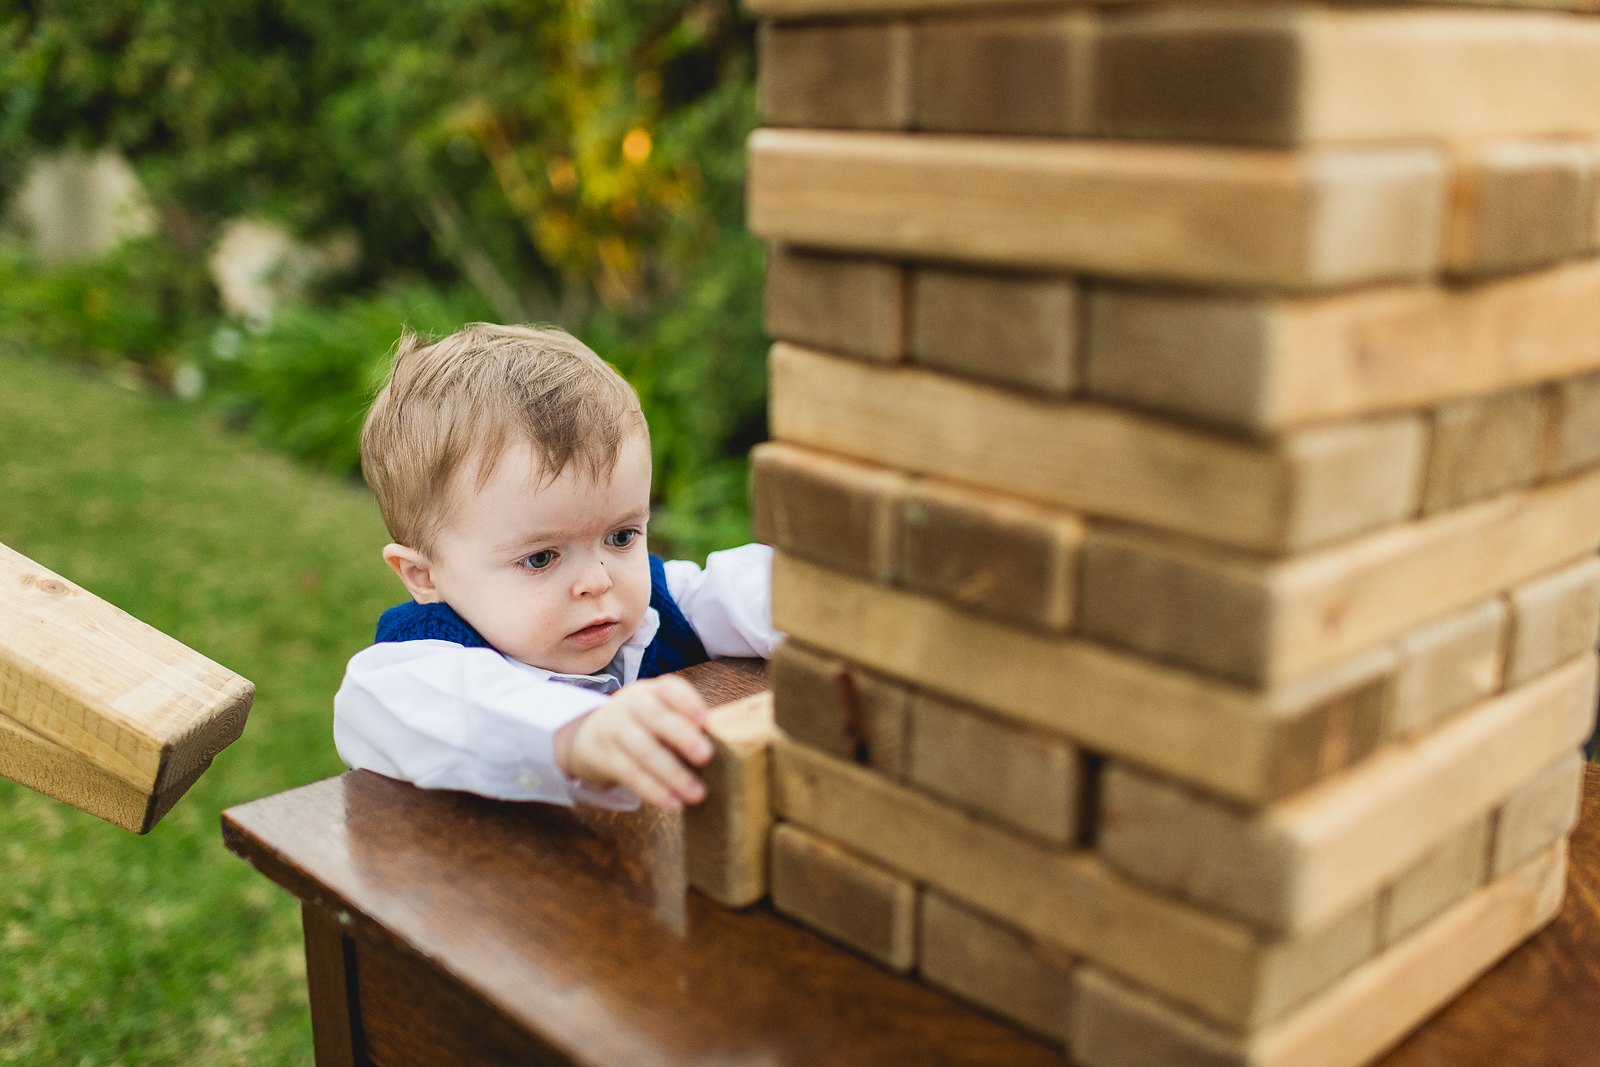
pixel 641 738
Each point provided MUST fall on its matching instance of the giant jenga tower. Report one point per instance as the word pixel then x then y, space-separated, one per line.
pixel 1186 484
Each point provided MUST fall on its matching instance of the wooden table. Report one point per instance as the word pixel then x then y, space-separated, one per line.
pixel 442 928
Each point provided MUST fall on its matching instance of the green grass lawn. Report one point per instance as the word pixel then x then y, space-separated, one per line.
pixel 167 949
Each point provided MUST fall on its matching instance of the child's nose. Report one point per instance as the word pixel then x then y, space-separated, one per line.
pixel 592 579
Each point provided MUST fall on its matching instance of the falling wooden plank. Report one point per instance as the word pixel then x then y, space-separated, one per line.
pixel 1308 75
pixel 1315 486
pixel 42 765
pixel 115 693
pixel 1261 364
pixel 1261 219
pixel 725 836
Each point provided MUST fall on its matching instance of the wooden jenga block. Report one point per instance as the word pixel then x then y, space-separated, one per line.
pixel 1575 425
pixel 1117 1025
pixel 845 304
pixel 1294 220
pixel 1553 619
pixel 1450 873
pixel 1248 746
pixel 1018 74
pixel 1540 813
pixel 842 75
pixel 991 553
pixel 1266 622
pixel 1267 75
pixel 42 765
pixel 1261 364
pixel 1068 900
pixel 107 688
pixel 1450 664
pixel 1484 446
pixel 989 963
pixel 725 836
pixel 840 708
pixel 1315 486
pixel 1025 779
pixel 827 509
pixel 1518 205
pixel 1294 866
pixel 1010 329
pixel 844 896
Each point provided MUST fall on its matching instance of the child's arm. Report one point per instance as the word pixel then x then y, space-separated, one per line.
pixel 729 601
pixel 447 717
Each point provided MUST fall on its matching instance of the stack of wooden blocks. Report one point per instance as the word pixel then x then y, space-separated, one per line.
pixel 1186 485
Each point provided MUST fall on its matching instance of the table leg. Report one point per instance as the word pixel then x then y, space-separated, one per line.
pixel 331 981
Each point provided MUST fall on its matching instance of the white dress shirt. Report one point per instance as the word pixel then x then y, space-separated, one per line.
pixel 444 716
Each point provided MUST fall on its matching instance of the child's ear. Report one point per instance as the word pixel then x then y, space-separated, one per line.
pixel 414 570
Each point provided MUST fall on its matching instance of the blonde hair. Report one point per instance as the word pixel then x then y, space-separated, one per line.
pixel 471 395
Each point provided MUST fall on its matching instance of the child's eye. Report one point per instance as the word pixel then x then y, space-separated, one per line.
pixel 538 561
pixel 622 538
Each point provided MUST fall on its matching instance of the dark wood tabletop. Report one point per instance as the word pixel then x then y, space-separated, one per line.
pixel 446 928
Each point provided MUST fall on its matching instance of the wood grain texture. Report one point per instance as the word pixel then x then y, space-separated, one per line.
pixel 844 896
pixel 845 304
pixel 1025 779
pixel 1483 446
pixel 987 962
pixel 1027 73
pixel 1261 364
pixel 1308 75
pixel 837 706
pixel 1297 865
pixel 331 984
pixel 1245 745
pixel 1266 622
pixel 1011 329
pixel 1451 663
pixel 1553 617
pixel 725 836
pixel 839 75
pixel 1253 219
pixel 35 761
pixel 1361 1016
pixel 991 553
pixel 835 511
pixel 121 695
pixel 1314 486
pixel 1068 901
pixel 1518 205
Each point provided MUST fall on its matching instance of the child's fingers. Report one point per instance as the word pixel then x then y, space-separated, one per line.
pixel 679 733
pixel 657 762
pixel 681 697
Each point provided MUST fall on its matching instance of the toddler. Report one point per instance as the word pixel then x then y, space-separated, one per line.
pixel 512 467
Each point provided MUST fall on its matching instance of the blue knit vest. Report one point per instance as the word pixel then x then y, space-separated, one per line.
pixel 674 647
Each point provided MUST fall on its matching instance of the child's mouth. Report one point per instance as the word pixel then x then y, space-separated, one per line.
pixel 596 633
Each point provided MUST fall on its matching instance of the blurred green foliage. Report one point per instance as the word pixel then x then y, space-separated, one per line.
pixel 568 161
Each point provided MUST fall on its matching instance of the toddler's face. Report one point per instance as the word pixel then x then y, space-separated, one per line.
pixel 554 575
